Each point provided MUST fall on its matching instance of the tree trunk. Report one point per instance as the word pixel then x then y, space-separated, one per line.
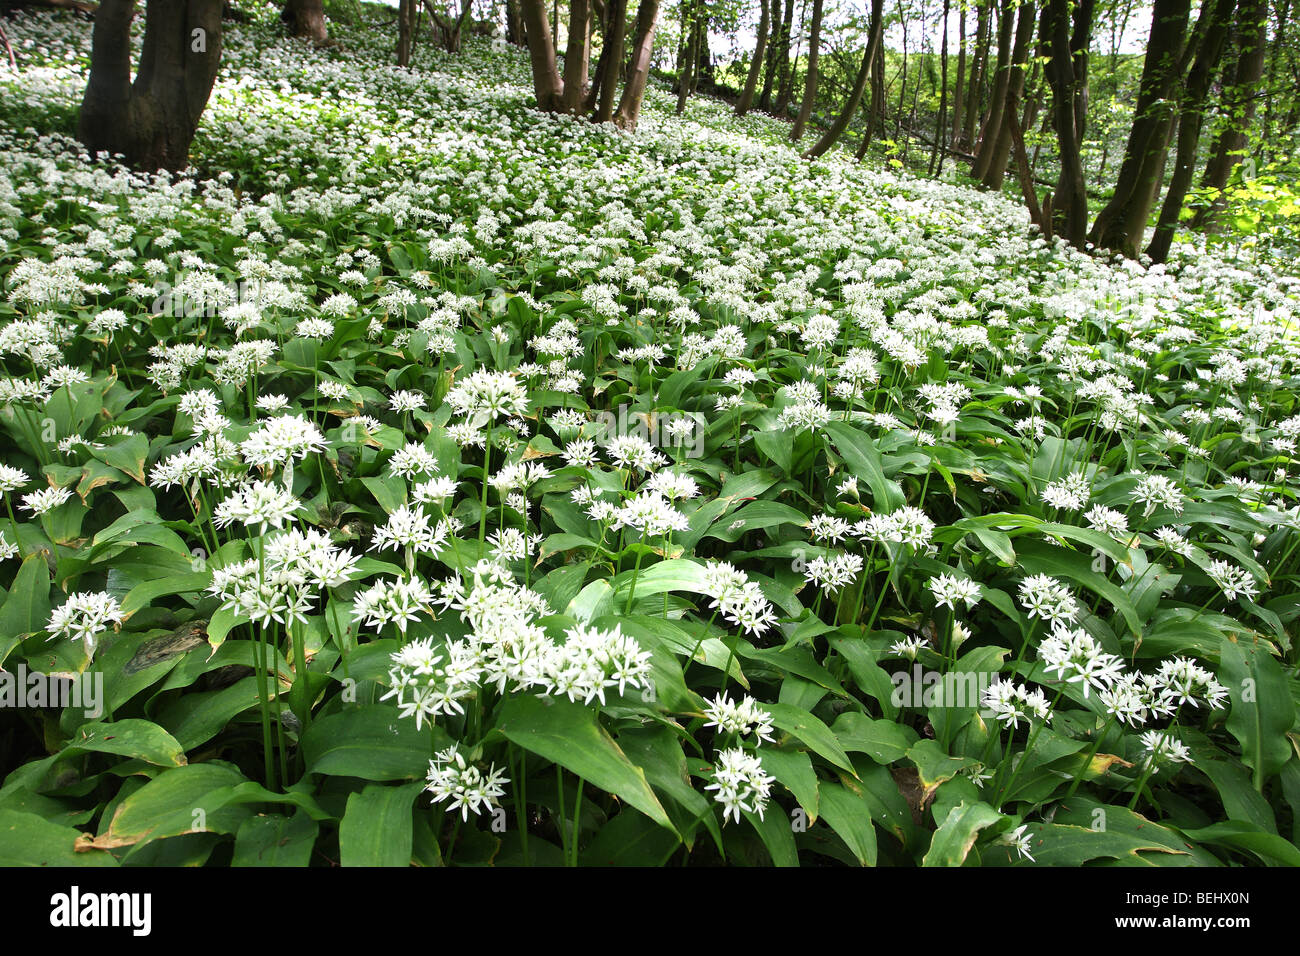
pixel 832 135
pixel 810 81
pixel 1239 103
pixel 615 34
pixel 152 121
pixel 404 32
pixel 957 101
pixel 1071 199
pixel 1002 76
pixel 541 52
pixel 756 65
pixel 306 19
pixel 629 107
pixel 1191 112
pixel 774 49
pixel 783 63
pixel 1015 85
pixel 978 71
pixel 1122 222
pixel 941 126
pixel 575 58
pixel 514 23
pixel 690 59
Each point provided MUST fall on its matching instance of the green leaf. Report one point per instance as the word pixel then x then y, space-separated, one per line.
pixel 275 840
pixel 810 729
pixel 130 737
pixel 376 827
pixel 29 840
pixel 849 815
pixel 953 840
pixel 26 609
pixel 570 735
pixel 371 742
pixel 1263 709
pixel 793 769
pixel 882 740
pixel 1239 835
pixel 864 461
pixel 182 800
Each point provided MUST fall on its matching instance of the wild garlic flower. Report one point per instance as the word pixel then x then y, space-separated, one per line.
pixel 948 589
pixel 391 602
pixel 1011 703
pixel 282 440
pixel 463 785
pixel 652 515
pixel 1070 493
pixel 1163 750
pixel 490 394
pixel 1045 597
pixel 427 683
pixel 1075 657
pixel 740 784
pixel 84 616
pixel 258 504
pixel 1232 580
pixel 1018 840
pixel 832 574
pixel 46 500
pixel 1157 491
pixel 742 719
pixel 11 479
pixel 1186 682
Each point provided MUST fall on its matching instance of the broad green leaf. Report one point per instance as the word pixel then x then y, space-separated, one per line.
pixel 376 827
pixel 372 742
pixel 570 734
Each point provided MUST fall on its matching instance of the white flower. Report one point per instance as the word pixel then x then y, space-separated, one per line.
pixel 46 500
pixel 743 718
pixel 1018 840
pixel 488 393
pixel 1232 581
pixel 258 504
pixel 463 785
pixel 948 589
pixel 84 616
pixel 740 784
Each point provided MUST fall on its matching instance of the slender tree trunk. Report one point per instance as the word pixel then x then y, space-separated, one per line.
pixel 978 73
pixel 514 23
pixel 615 33
pixel 575 58
pixel 957 100
pixel 1230 144
pixel 775 48
pixel 998 100
pixel 306 19
pixel 541 51
pixel 832 135
pixel 1000 143
pixel 756 65
pixel 783 63
pixel 404 32
pixel 690 58
pixel 1191 113
pixel 941 127
pixel 902 81
pixel 151 121
pixel 1122 222
pixel 643 38
pixel 1071 200
pixel 810 81
pixel 1277 51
